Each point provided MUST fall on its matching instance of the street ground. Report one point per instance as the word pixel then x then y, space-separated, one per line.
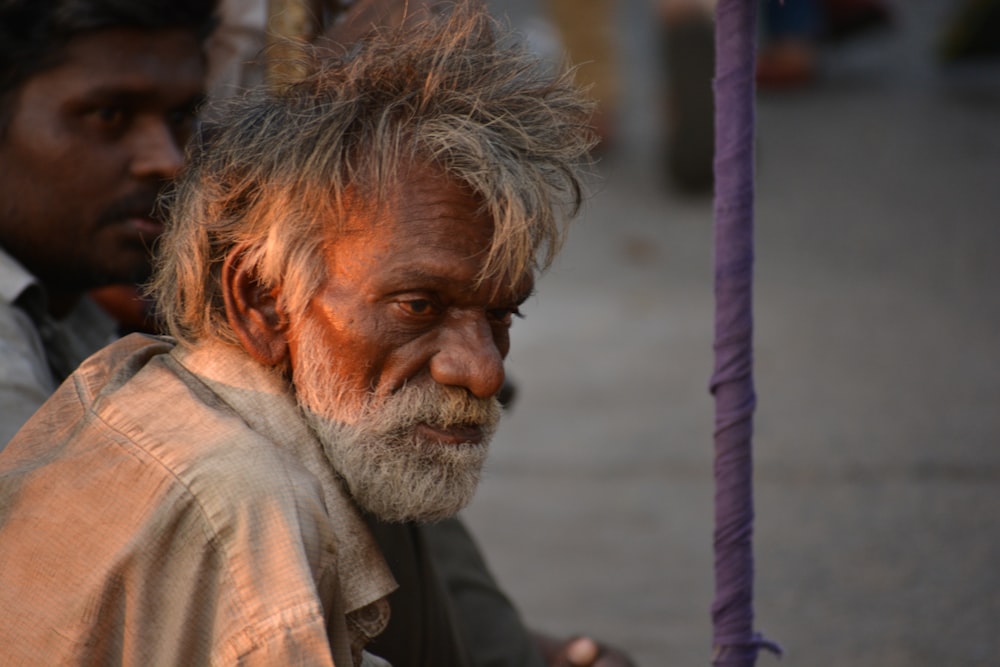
pixel 877 347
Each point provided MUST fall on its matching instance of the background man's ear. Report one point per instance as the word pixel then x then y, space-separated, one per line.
pixel 252 312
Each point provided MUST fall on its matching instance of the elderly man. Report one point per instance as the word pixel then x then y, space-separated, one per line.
pixel 97 101
pixel 344 260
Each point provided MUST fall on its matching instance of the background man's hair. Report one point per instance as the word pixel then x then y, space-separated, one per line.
pixel 279 167
pixel 34 33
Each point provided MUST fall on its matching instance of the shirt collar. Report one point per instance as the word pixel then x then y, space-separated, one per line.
pixel 15 281
pixel 67 341
pixel 265 402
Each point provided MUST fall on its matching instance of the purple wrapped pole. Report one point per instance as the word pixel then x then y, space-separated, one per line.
pixel 735 644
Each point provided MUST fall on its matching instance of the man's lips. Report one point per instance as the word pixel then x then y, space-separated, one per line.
pixel 452 435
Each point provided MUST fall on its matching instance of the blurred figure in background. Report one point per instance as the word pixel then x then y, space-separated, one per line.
pixel 786 56
pixel 97 101
pixel 791 31
pixel 973 33
pixel 587 32
pixel 688 51
pixel 794 30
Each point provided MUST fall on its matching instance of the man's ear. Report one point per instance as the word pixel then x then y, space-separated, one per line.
pixel 252 312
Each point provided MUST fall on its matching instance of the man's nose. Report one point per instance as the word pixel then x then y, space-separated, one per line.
pixel 157 155
pixel 469 357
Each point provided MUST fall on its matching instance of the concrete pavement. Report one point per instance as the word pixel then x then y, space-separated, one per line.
pixel 877 365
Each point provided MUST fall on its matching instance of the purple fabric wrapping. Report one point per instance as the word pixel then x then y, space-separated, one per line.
pixel 735 644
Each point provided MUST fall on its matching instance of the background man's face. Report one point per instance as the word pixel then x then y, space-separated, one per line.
pixel 89 145
pixel 401 353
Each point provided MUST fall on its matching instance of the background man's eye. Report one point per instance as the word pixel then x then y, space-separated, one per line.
pixel 110 115
pixel 182 118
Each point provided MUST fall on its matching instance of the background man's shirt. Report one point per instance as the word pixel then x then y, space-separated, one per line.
pixel 37 352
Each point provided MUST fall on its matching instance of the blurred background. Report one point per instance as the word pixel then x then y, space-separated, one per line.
pixel 877 350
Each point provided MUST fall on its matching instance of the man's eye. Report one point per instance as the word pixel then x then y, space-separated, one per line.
pixel 504 316
pixel 419 307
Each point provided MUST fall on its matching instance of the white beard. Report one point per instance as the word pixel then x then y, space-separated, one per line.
pixel 373 445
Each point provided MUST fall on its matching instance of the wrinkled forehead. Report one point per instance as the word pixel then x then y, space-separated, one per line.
pixel 423 217
pixel 421 210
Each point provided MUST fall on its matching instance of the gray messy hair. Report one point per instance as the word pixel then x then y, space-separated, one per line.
pixel 279 167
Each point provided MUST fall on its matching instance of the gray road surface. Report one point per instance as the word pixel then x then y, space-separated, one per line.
pixel 877 365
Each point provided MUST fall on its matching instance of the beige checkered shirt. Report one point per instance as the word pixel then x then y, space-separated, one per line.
pixel 169 507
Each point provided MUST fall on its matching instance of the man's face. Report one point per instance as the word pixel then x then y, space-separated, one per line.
pixel 89 145
pixel 400 355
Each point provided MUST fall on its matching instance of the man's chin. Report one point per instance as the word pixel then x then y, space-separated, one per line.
pixel 414 514
pixel 422 491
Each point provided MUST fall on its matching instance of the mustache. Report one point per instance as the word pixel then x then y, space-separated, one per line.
pixel 140 203
pixel 432 404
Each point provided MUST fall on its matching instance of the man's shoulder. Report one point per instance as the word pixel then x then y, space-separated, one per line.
pixel 170 415
pixel 153 491
pixel 131 402
pixel 129 444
